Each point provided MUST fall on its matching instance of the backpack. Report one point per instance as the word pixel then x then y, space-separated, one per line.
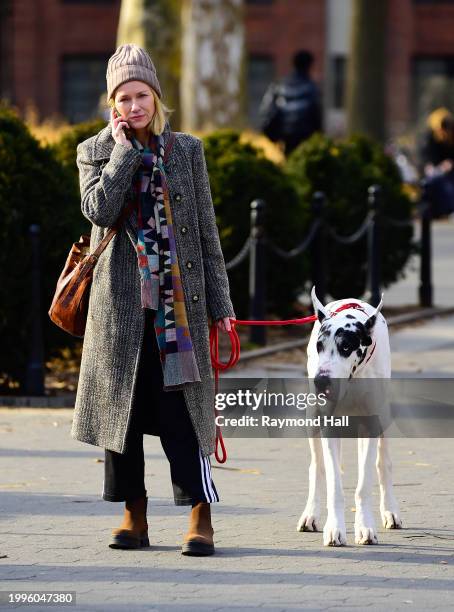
pixel 290 110
pixel 272 115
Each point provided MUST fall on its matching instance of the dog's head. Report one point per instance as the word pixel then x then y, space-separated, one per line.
pixel 344 342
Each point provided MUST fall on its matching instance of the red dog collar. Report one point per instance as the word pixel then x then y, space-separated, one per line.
pixel 354 306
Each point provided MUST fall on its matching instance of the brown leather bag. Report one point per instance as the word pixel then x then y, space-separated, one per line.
pixel 69 306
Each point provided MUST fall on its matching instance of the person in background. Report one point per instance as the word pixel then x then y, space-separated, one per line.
pixel 290 111
pixel 436 154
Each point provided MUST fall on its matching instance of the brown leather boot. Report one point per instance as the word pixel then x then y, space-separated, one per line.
pixel 133 531
pixel 198 542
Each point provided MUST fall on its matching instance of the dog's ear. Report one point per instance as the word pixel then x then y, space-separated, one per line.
pixel 319 309
pixel 369 324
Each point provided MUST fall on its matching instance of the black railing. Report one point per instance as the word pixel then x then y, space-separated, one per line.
pixel 258 243
pixel 34 381
pixel 425 283
pixel 255 248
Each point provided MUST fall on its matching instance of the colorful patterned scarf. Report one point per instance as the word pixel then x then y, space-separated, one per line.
pixel 160 279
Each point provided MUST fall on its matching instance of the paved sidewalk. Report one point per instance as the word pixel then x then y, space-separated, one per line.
pixel 405 291
pixel 424 349
pixel 54 528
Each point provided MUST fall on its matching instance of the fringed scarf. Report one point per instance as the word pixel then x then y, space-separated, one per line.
pixel 160 279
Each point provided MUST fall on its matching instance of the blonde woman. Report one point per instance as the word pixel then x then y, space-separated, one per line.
pixel 437 160
pixel 145 363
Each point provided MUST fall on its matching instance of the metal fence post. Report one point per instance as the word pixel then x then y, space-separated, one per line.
pixel 257 272
pixel 34 381
pixel 373 246
pixel 318 252
pixel 425 285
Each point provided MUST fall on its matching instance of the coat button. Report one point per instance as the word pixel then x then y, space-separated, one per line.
pixel 184 229
pixel 178 197
pixel 195 297
pixel 189 265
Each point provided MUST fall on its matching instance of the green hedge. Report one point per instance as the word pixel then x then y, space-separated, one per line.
pixel 40 185
pixel 240 173
pixel 344 170
pixel 35 188
pixel 65 148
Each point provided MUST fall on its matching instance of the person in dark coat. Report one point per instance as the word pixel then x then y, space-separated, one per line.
pixel 291 111
pixel 145 364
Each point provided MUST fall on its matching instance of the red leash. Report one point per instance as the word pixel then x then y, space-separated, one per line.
pixel 236 349
pixel 233 360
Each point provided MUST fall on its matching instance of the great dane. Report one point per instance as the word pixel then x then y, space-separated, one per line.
pixel 349 341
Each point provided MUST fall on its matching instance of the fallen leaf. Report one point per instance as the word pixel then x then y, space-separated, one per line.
pixel 233 469
pixel 14 485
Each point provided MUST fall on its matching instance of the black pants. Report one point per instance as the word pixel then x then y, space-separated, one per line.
pixel 164 413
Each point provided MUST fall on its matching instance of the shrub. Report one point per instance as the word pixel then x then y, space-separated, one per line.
pixel 240 173
pixel 343 171
pixel 34 189
pixel 65 148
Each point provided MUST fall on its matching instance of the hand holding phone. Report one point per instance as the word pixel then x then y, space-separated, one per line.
pixel 121 132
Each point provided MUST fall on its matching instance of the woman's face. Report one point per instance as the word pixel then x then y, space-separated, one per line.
pixel 135 102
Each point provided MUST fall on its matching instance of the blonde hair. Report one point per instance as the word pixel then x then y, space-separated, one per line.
pixel 161 114
pixel 439 121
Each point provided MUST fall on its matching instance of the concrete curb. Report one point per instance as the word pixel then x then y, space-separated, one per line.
pixel 67 401
pixel 22 401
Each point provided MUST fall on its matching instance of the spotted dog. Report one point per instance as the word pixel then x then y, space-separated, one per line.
pixel 349 340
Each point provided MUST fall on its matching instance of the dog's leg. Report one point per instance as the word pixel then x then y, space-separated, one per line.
pixel 310 518
pixel 389 508
pixel 334 533
pixel 365 530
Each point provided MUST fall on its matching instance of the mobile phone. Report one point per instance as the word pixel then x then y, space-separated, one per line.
pixel 127 131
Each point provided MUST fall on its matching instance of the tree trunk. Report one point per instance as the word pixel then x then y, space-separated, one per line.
pixel 155 25
pixel 212 83
pixel 366 71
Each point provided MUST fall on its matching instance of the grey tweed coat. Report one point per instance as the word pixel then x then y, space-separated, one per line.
pixel 115 322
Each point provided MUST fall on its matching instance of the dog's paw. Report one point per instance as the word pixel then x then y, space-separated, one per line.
pixel 308 522
pixel 334 534
pixel 391 520
pixel 365 535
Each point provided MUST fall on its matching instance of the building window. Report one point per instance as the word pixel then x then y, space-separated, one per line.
pixel 433 85
pixel 260 73
pixel 83 81
pixel 89 1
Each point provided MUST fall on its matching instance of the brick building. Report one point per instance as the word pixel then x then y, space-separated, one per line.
pixel 49 47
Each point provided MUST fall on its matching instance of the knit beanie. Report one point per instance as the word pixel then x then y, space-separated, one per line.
pixel 130 63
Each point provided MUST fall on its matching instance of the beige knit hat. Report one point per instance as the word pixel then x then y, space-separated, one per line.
pixel 129 63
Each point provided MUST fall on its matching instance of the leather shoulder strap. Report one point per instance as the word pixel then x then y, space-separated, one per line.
pixel 169 146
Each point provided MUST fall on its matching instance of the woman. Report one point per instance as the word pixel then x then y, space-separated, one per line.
pixel 145 363
pixel 437 161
